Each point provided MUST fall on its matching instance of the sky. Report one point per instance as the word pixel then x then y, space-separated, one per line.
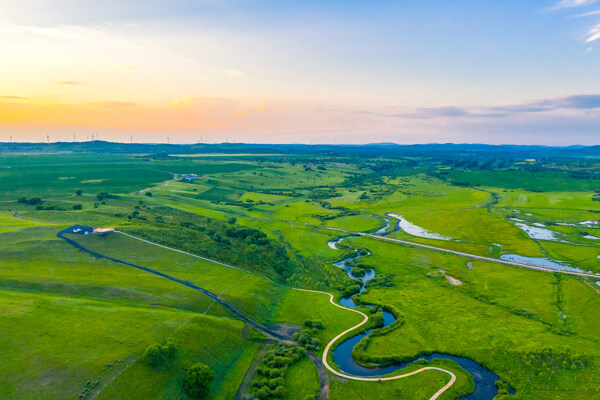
pixel 281 71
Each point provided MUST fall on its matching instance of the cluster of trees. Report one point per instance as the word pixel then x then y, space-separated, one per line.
pixel 246 204
pixel 41 204
pixel 157 354
pixel 314 272
pixel 323 193
pixel 381 280
pixel 291 193
pixel 87 389
pixel 273 368
pixel 226 242
pixel 198 378
pixel 359 270
pixel 485 163
pixel 305 339
pixel 314 325
pixel 34 201
pixel 106 196
pixel 377 320
pixel 344 212
pixel 503 388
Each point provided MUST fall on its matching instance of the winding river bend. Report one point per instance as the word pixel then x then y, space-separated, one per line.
pixel 484 379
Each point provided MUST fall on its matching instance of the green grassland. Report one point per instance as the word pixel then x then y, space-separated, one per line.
pixel 420 386
pixel 76 325
pixel 496 308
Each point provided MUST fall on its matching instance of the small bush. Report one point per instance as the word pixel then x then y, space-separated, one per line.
pixel 157 354
pixel 196 384
pixel 105 196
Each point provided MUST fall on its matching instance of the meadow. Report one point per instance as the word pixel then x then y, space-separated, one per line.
pixel 75 326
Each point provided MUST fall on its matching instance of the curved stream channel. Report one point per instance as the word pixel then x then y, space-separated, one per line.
pixel 485 380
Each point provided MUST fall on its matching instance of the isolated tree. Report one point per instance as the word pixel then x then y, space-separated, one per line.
pixel 197 382
pixel 149 194
pixel 78 192
pixel 154 355
pixel 77 207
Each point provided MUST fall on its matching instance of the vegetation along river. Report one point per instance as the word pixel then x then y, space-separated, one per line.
pixel 484 379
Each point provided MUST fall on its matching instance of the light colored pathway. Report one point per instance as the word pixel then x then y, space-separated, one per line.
pixel 372 379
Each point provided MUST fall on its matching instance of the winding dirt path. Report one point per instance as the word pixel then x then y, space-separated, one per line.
pixel 372 379
pixel 163 184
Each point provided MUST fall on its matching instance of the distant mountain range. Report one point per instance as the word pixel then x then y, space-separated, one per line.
pixel 387 149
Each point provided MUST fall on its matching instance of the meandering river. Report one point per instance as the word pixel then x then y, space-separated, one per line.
pixel 484 379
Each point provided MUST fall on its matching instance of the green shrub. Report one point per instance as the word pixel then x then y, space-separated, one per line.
pixel 105 196
pixel 196 384
pixel 157 354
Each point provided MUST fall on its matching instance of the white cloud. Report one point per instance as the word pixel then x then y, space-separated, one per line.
pixel 572 3
pixel 593 34
pixel 232 73
pixel 89 35
pixel 588 14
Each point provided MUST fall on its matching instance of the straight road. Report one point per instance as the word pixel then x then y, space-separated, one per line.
pixel 447 251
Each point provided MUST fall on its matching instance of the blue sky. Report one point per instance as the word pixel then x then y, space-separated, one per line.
pixel 312 71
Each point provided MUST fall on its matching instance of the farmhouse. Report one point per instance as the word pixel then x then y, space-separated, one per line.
pixel 103 231
pixel 190 177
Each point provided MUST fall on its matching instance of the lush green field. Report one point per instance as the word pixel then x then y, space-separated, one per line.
pixel 76 326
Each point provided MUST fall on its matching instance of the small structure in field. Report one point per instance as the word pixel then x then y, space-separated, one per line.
pixel 103 231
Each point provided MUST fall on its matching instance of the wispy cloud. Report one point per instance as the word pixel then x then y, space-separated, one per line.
pixel 593 34
pixel 232 73
pixel 433 112
pixel 576 102
pixel 572 3
pixel 14 97
pixel 90 35
pixel 69 83
pixel 114 104
pixel 588 14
